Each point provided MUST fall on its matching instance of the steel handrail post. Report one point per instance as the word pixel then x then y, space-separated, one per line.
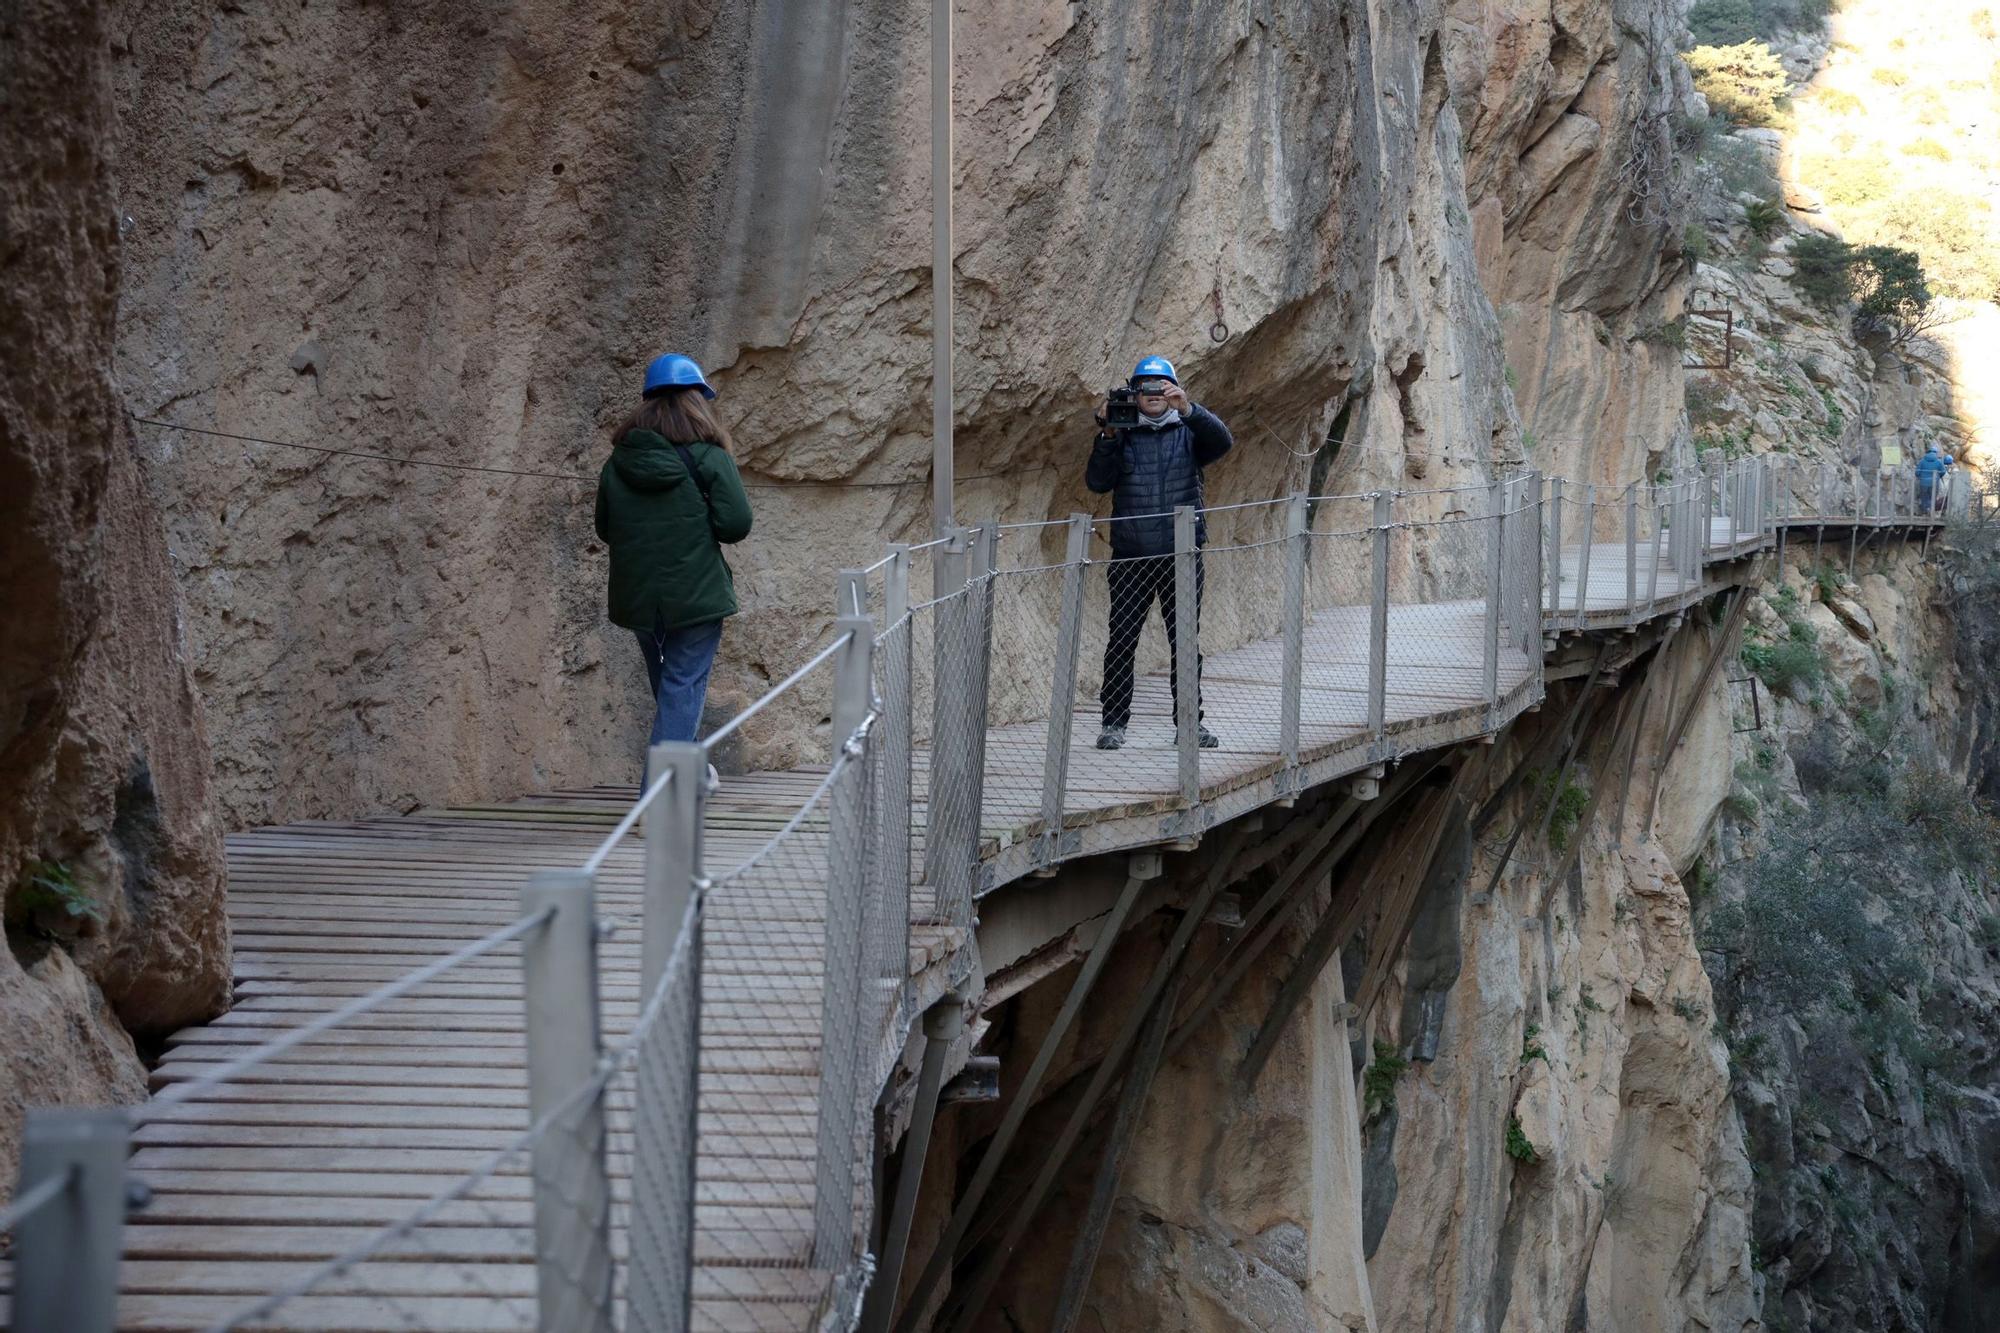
pixel 1378 626
pixel 66 1252
pixel 1632 554
pixel 1553 524
pixel 1531 639
pixel 1496 504
pixel 664 1136
pixel 1187 655
pixel 898 732
pixel 1711 505
pixel 1583 557
pixel 1292 689
pixel 1659 535
pixel 841 977
pixel 985 560
pixel 1062 689
pixel 950 748
pixel 571 1183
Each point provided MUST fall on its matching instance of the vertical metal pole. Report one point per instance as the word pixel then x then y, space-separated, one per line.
pixel 1062 689
pixel 1496 503
pixel 1378 627
pixel 664 1121
pixel 1187 652
pixel 951 748
pixel 1711 505
pixel 1860 512
pixel 1553 521
pixel 1659 536
pixel 942 466
pixel 572 1192
pixel 66 1252
pixel 841 1002
pixel 1632 554
pixel 671 828
pixel 985 559
pixel 1291 692
pixel 897 732
pixel 1583 556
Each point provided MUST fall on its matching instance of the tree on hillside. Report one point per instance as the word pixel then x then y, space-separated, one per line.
pixel 1886 284
pixel 1723 22
pixel 1823 269
pixel 1745 82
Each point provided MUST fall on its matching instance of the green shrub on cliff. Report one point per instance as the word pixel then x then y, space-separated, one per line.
pixel 1721 22
pixel 1822 269
pixel 1745 82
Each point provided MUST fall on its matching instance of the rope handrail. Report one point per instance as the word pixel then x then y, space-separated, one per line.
pixel 625 825
pixel 30 1202
pixel 734 724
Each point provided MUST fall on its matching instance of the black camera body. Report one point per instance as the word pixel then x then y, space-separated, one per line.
pixel 1121 408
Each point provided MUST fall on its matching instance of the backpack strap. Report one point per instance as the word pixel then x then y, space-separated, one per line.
pixel 701 482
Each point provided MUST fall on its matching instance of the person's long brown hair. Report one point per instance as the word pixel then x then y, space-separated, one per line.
pixel 679 416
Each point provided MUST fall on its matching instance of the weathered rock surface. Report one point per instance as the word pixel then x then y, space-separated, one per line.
pixel 104 768
pixel 465 250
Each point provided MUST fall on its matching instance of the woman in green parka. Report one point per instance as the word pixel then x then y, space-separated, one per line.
pixel 668 500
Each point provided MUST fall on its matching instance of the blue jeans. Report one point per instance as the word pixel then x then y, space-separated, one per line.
pixel 677 666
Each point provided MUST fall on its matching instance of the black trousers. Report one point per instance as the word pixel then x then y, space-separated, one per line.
pixel 1134 586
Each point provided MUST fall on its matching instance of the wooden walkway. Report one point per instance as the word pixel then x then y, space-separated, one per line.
pixel 258 1180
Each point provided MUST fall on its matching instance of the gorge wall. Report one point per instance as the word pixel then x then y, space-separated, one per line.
pixel 465 247
pixel 110 845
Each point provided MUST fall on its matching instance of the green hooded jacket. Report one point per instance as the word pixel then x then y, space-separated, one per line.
pixel 666 565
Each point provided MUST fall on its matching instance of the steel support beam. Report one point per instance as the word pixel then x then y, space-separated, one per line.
pixel 1024 1096
pixel 974 1298
pixel 1111 1162
pixel 942 1024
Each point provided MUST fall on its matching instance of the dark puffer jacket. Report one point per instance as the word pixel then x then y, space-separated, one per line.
pixel 1151 471
pixel 667 570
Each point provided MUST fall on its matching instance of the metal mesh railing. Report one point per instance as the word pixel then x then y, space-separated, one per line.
pixel 688 1140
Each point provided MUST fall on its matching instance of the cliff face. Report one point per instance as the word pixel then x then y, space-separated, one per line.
pixel 110 852
pixel 468 257
pixel 1457 225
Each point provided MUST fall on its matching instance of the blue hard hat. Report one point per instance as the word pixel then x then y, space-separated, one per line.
pixel 1154 368
pixel 674 371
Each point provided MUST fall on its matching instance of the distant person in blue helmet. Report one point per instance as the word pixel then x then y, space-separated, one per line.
pixel 1934 464
pixel 1152 443
pixel 668 500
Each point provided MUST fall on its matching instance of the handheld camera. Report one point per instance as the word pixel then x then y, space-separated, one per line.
pixel 1121 408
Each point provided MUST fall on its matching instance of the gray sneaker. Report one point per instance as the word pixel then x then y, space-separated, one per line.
pixel 1205 738
pixel 1111 738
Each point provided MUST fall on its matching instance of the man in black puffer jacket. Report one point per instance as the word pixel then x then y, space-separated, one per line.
pixel 1150 470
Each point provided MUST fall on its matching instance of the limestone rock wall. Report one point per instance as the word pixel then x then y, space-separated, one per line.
pixel 1559 1150
pixel 464 248
pixel 110 849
